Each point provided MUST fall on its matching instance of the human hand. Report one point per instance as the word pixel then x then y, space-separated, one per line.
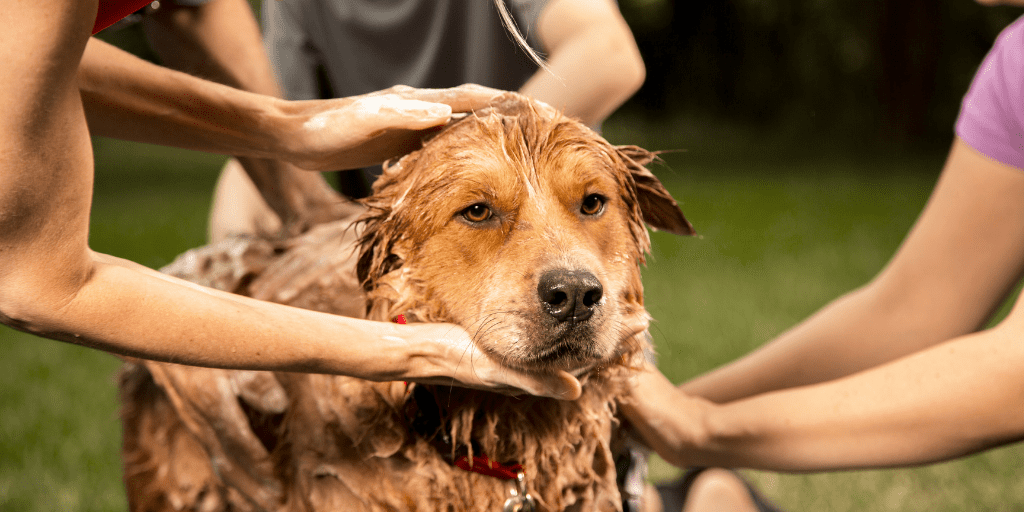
pixel 330 207
pixel 357 131
pixel 303 200
pixel 450 357
pixel 669 421
pixel 273 199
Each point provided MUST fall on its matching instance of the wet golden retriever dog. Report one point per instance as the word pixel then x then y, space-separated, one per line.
pixel 519 224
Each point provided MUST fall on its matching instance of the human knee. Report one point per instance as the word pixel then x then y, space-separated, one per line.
pixel 719 490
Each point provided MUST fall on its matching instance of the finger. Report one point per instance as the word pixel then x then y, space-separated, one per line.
pixel 463 98
pixel 396 112
pixel 560 385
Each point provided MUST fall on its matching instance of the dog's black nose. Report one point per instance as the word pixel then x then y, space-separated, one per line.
pixel 569 294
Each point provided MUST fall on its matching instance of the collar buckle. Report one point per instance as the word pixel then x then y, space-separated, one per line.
pixel 521 501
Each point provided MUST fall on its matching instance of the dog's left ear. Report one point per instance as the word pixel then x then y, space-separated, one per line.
pixel 659 209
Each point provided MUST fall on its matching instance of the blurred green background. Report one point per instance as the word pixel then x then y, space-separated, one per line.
pixel 810 134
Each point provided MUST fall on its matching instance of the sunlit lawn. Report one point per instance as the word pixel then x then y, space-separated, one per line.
pixel 779 236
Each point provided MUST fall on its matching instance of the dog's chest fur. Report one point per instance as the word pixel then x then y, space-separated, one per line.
pixel 350 444
pixel 353 443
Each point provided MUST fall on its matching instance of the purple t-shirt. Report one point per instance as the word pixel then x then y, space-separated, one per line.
pixel 992 113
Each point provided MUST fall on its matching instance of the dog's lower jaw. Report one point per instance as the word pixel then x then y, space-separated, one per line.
pixel 616 337
pixel 574 352
pixel 574 356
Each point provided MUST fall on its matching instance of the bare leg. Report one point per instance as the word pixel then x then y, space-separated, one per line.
pixel 719 490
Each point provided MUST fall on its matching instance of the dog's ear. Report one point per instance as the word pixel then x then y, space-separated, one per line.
pixel 659 209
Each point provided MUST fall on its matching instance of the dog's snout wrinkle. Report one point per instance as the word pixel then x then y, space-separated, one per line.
pixel 570 295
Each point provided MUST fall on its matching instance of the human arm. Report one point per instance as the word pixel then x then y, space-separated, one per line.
pixel 220 41
pixel 950 400
pixel 128 98
pixel 954 268
pixel 53 285
pixel 911 385
pixel 593 60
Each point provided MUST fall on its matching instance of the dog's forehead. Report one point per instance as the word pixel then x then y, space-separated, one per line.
pixel 510 152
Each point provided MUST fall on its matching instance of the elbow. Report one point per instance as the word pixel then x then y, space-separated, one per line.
pixel 19 311
pixel 23 312
pixel 36 300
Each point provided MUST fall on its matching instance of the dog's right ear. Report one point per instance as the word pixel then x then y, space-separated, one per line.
pixel 659 209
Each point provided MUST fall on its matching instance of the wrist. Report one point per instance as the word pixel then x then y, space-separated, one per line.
pixel 388 352
pixel 696 431
pixel 677 426
pixel 427 351
pixel 300 132
pixel 404 352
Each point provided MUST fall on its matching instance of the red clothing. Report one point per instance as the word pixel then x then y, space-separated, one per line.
pixel 112 11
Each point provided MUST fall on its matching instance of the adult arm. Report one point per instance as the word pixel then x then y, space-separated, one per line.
pixel 53 285
pixel 220 41
pixel 594 63
pixel 955 267
pixel 950 400
pixel 128 98
pixel 910 386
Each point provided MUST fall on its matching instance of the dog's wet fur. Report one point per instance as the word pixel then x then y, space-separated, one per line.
pixel 519 224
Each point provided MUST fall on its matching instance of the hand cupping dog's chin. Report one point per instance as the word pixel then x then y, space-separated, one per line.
pixel 575 369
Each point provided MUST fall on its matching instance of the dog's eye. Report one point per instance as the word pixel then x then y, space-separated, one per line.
pixel 592 204
pixel 477 213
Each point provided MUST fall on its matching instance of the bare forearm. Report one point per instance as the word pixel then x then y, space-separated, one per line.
pixel 127 98
pixel 856 332
pixel 951 400
pixel 957 264
pixel 586 84
pixel 131 310
pixel 220 41
pixel 298 198
pixel 928 407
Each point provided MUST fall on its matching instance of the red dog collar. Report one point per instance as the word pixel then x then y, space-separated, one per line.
pixel 520 500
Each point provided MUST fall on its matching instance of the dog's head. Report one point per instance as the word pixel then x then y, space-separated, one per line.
pixel 526 228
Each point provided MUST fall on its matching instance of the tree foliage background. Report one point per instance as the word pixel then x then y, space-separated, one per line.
pixel 890 71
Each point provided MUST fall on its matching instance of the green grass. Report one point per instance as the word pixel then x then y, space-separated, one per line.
pixel 781 233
